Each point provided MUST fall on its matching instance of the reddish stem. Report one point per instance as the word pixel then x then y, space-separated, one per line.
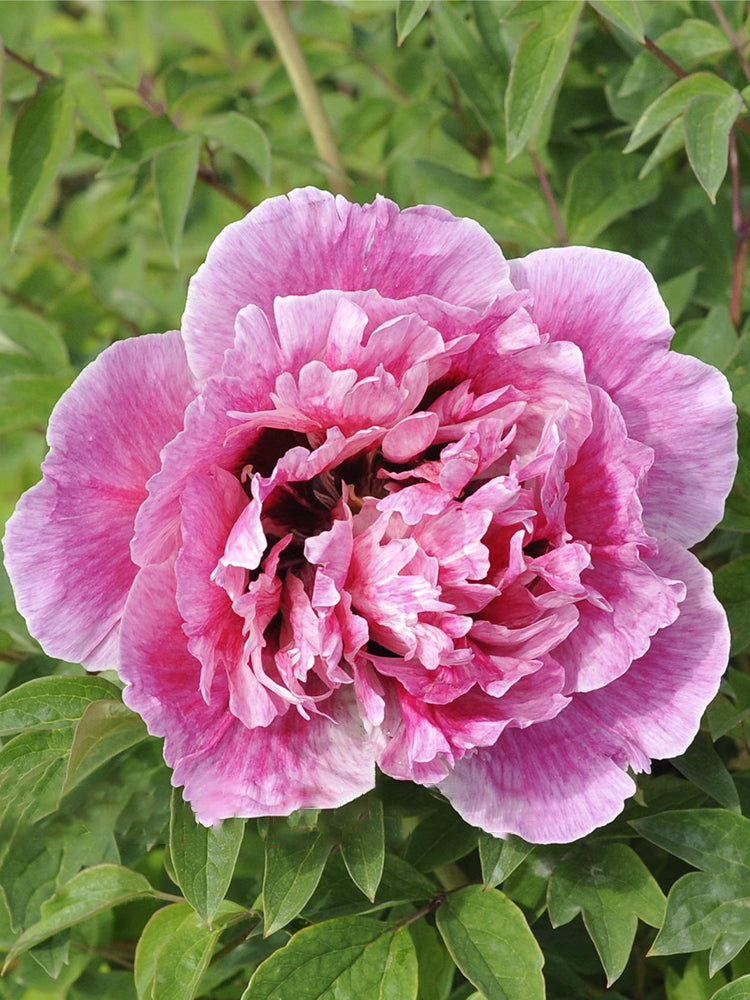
pixel 729 32
pixel 741 224
pixel 41 73
pixel 662 56
pixel 544 183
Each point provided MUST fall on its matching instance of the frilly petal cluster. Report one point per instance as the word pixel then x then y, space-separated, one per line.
pixel 388 499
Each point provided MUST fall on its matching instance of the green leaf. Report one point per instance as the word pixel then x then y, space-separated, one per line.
pixel 501 857
pixel 510 209
pixel 26 401
pixel 602 187
pixel 51 701
pixel 347 957
pixel 105 729
pixel 709 839
pixel 702 765
pixel 175 170
pixel 738 990
pixel 624 14
pixel 694 982
pixel 677 293
pixel 32 772
pixel 39 858
pixel 537 68
pixel 611 887
pixel 732 585
pixel 469 64
pixel 93 107
pixel 713 339
pixel 436 968
pixel 672 103
pixel 89 892
pixel 294 864
pixel 689 44
pixel 33 338
pixel 338 896
pixel 737 511
pixel 738 373
pixel 491 943
pixel 408 15
pixel 244 137
pixel 670 141
pixel 363 844
pixel 707 911
pixel 173 953
pixel 150 137
pixel 707 123
pixel 53 953
pixel 203 858
pixel 440 838
pixel 42 139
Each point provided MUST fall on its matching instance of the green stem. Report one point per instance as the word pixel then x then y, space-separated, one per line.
pixel 549 197
pixel 286 43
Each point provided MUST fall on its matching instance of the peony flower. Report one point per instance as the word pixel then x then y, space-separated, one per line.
pixel 389 499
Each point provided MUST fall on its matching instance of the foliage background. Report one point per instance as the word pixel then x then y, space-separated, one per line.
pixel 133 132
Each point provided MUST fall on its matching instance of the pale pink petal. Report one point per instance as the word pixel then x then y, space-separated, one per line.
pixel 602 503
pixel 410 437
pixel 227 769
pixel 246 542
pixel 656 707
pixel 608 639
pixel 609 305
pixel 68 544
pixel 693 431
pixel 210 506
pixel 558 780
pixel 308 240
pixel 213 437
pixel 552 782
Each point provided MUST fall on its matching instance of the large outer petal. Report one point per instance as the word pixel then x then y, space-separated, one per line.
pixel 226 768
pixel 558 780
pixel 67 547
pixel 309 240
pixel 609 305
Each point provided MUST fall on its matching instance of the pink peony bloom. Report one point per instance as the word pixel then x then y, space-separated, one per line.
pixel 389 499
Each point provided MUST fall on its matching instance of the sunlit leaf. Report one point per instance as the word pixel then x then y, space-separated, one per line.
pixel 611 887
pixel 105 729
pixel 623 14
pixel 294 864
pixel 707 911
pixel 537 67
pixel 491 943
pixel 174 170
pixel 51 701
pixel 672 103
pixel 42 139
pixel 707 123
pixel 244 137
pixel 702 765
pixel 203 857
pixel 363 843
pixel 500 858
pixel 408 15
pixel 173 953
pixel 89 892
pixel 348 957
pixel 93 107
